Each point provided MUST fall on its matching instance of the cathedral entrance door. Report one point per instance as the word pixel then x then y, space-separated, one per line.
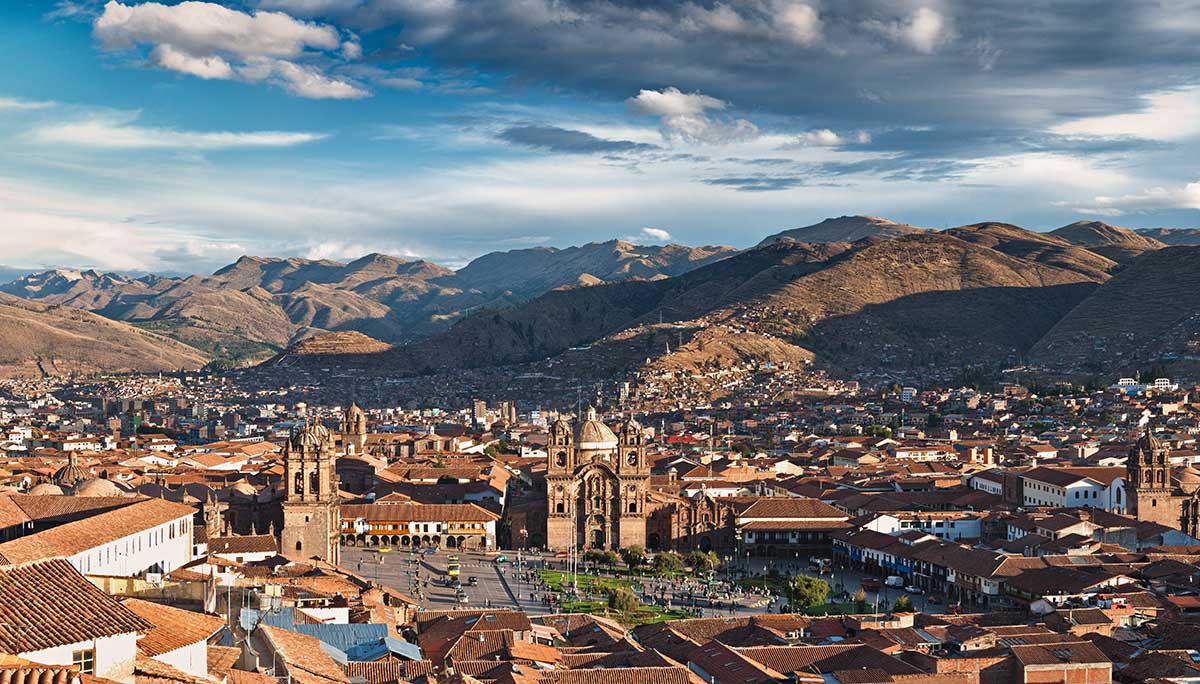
pixel 598 538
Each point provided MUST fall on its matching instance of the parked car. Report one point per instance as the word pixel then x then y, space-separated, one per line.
pixel 913 589
pixel 472 580
pixel 462 598
pixel 936 600
pixel 895 581
pixel 871 584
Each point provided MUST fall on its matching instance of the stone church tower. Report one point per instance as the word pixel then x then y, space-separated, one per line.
pixel 596 484
pixel 311 520
pixel 354 430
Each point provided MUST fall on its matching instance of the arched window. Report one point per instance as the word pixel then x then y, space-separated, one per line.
pixel 299 483
pixel 314 483
pixel 559 507
pixel 297 546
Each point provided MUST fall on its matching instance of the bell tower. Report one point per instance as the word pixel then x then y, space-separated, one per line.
pixel 633 474
pixel 311 519
pixel 560 485
pixel 1148 474
pixel 354 430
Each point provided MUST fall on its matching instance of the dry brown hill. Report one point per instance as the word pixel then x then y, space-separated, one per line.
pixel 1116 243
pixel 845 229
pixel 257 306
pixel 1172 236
pixel 39 339
pixel 925 298
pixel 1148 312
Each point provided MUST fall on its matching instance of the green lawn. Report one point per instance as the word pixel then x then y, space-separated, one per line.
pixel 558 580
pixel 645 615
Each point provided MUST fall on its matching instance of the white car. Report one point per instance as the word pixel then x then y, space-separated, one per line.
pixel 913 589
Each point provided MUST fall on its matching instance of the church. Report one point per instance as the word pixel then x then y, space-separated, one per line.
pixel 1155 495
pixel 596 485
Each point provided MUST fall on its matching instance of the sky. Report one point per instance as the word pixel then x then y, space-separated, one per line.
pixel 176 137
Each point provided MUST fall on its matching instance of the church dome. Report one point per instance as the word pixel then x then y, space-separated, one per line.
pixel 594 434
pixel 1189 479
pixel 98 487
pixel 71 474
pixel 310 435
pixel 1148 443
pixel 46 489
pixel 244 488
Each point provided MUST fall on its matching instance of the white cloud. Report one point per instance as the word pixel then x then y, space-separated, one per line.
pixel 17 104
pixel 798 22
pixel 309 82
pixel 656 234
pixel 925 30
pixel 120 133
pixel 207 67
pixel 685 116
pixel 201 28
pixel 1183 197
pixel 789 20
pixel 823 137
pixel 1167 115
pixel 210 41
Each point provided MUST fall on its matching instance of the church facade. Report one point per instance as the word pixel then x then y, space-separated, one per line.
pixel 597 482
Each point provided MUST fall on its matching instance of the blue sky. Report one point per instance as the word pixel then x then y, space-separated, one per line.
pixel 175 137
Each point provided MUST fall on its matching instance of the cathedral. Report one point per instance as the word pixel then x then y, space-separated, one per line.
pixel 1154 494
pixel 596 485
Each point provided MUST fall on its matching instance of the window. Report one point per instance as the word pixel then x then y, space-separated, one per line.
pixel 84 661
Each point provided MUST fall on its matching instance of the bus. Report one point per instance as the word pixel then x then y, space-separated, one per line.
pixel 452 566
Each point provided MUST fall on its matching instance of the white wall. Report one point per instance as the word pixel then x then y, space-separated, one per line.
pixel 132 555
pixel 192 659
pixel 114 656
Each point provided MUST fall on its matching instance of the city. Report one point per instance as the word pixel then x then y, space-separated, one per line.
pixel 599 342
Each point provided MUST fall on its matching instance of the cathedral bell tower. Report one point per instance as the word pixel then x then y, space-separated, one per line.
pixel 1148 473
pixel 634 476
pixel 311 520
pixel 354 430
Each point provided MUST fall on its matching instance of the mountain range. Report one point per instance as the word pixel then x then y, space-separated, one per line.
pixel 850 293
pixel 257 306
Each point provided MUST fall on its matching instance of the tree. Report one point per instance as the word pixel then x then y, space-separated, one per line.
pixel 860 601
pixel 701 562
pixel 667 562
pixel 903 604
pixel 634 557
pixel 808 592
pixel 622 600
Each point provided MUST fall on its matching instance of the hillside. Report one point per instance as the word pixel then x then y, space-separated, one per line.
pixel 1172 236
pixel 845 229
pixel 257 306
pixel 1148 312
pixel 38 339
pixel 1116 243
pixel 917 300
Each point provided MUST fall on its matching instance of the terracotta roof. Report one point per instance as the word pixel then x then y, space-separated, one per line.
pixel 14 670
pixel 417 512
pixel 147 670
pixel 174 628
pixel 1054 654
pixel 48 603
pixel 252 543
pixel 303 656
pixel 222 658
pixel 75 537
